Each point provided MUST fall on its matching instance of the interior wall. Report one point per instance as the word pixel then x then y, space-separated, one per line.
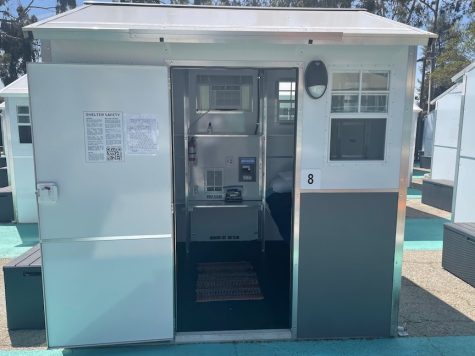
pixel 280 149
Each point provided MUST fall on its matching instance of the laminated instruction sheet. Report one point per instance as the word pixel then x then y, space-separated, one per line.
pixel 104 136
pixel 142 134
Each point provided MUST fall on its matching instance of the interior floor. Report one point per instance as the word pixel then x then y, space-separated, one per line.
pixel 273 271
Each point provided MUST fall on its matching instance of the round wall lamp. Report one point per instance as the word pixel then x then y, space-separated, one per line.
pixel 316 79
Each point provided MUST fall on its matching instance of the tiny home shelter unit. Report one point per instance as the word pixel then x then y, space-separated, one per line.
pixel 425 159
pixel 19 150
pixel 211 173
pixel 459 237
pixel 437 190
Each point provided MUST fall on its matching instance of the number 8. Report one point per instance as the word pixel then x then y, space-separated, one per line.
pixel 310 179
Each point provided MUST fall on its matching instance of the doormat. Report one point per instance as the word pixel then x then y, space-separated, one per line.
pixel 225 281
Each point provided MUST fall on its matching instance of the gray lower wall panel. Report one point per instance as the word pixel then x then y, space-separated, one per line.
pixel 346 262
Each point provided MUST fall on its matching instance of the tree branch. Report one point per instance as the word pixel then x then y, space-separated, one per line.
pixel 428 6
pixel 3 33
pixel 411 11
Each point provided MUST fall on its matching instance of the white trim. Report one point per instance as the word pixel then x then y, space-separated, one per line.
pixel 232 336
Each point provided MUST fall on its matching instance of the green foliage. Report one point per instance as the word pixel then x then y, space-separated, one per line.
pixel 15 47
pixel 64 5
pixel 456 53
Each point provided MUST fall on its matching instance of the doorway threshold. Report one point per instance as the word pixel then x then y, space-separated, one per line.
pixel 232 335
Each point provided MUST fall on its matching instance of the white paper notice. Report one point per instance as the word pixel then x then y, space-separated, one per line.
pixel 104 136
pixel 142 134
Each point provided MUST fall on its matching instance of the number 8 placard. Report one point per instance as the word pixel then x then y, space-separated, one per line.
pixel 311 179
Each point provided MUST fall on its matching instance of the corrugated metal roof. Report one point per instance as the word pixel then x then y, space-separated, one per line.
pixel 18 88
pixel 224 24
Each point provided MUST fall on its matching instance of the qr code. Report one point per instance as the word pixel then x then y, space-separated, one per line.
pixel 114 153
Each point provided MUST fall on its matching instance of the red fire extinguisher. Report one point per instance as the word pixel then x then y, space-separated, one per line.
pixel 192 149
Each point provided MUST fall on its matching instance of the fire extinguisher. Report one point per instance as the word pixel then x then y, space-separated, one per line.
pixel 192 149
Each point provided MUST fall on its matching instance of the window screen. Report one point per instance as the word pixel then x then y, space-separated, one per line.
pixel 24 124
pixel 360 92
pixel 357 139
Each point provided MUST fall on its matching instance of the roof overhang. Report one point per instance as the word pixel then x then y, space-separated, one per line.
pixel 454 89
pixel 460 74
pixel 18 88
pixel 191 24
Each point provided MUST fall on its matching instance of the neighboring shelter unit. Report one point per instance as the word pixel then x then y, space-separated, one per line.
pixel 425 159
pixel 6 200
pixel 437 190
pixel 210 173
pixel 415 114
pixel 459 237
pixel 16 124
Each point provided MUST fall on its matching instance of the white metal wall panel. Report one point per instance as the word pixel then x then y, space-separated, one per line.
pixel 467 148
pixel 428 138
pixel 107 241
pixel 131 197
pixel 124 293
pixel 465 192
pixel 315 113
pixel 447 121
pixel 25 196
pixel 464 210
pixel 443 163
pixel 444 155
pixel 21 167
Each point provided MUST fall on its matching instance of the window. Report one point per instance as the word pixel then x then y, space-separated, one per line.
pixel 286 101
pixel 24 124
pixel 359 107
pixel 362 91
pixel 357 139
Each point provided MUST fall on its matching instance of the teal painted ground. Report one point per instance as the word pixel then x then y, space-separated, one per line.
pixel 424 233
pixel 433 346
pixel 413 193
pixel 16 239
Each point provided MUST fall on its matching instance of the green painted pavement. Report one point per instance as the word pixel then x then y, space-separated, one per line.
pixel 422 346
pixel 17 239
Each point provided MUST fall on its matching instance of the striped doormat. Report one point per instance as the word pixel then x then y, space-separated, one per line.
pixel 225 281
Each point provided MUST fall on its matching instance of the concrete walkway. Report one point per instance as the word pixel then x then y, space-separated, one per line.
pixel 435 346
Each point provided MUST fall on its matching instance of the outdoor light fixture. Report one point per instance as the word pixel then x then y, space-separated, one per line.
pixel 316 79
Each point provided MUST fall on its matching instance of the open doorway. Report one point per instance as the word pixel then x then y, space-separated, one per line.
pixel 234 158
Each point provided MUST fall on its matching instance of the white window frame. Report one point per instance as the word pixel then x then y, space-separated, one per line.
pixel 293 91
pixel 20 124
pixel 358 114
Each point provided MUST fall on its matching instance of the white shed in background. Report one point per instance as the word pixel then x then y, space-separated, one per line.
pixel 415 113
pixel 19 150
pixel 458 253
pixel 437 190
pixel 447 118
pixel 464 188
pixel 428 140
